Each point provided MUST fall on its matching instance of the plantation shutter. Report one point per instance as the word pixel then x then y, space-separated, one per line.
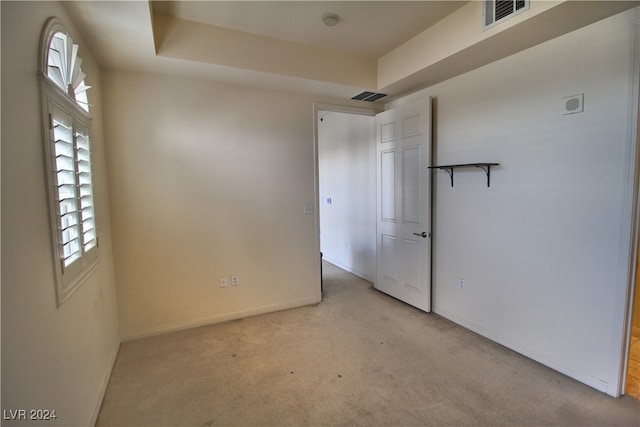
pixel 63 68
pixel 76 224
pixel 85 186
pixel 67 142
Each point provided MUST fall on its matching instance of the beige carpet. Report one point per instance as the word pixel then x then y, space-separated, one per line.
pixel 359 358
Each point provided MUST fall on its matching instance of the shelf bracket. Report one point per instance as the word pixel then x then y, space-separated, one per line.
pixel 486 167
pixel 450 172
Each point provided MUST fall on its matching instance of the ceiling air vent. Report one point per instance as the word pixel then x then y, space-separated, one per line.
pixel 369 96
pixel 496 11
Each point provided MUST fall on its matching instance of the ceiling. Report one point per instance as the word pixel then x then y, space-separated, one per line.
pixel 284 45
pixel 121 34
pixel 365 28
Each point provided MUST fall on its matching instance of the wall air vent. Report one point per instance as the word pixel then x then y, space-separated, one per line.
pixel 496 11
pixel 369 96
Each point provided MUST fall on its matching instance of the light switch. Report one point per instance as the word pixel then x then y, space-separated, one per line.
pixel 308 209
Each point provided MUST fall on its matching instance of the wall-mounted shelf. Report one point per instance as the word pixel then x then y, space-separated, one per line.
pixel 486 167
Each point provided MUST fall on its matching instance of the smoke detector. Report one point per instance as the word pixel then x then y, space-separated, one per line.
pixel 330 19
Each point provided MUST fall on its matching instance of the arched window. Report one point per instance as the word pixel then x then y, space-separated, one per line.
pixel 67 138
pixel 60 62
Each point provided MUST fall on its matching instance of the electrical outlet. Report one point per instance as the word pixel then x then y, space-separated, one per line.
pixel 223 282
pixel 573 104
pixel 461 283
pixel 235 280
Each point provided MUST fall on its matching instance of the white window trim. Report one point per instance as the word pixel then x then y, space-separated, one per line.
pixel 68 279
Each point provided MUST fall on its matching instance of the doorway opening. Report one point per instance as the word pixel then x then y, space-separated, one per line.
pixel 345 143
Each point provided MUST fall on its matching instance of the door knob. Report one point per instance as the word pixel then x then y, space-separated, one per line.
pixel 423 234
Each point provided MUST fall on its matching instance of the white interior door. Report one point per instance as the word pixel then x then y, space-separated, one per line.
pixel 403 236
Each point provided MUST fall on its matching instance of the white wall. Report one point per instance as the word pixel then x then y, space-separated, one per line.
pixel 462 29
pixel 543 251
pixel 56 358
pixel 208 180
pixel 346 158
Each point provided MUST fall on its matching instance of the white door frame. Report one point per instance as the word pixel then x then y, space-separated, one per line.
pixel 629 231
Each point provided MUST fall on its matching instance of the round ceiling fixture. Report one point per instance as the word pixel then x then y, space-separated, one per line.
pixel 330 19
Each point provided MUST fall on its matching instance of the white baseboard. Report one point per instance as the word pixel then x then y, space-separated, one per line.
pixel 104 384
pixel 220 318
pixel 544 359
